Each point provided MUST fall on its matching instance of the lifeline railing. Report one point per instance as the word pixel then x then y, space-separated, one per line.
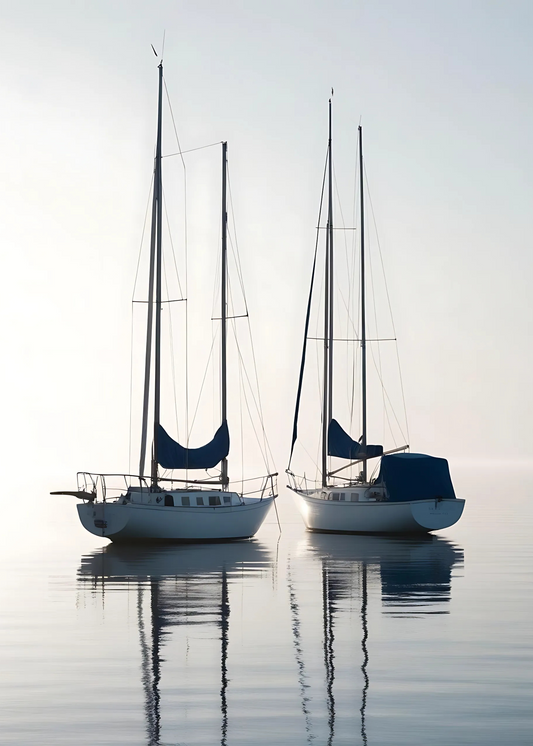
pixel 97 485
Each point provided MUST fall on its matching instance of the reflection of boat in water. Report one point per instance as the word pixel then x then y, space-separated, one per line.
pixel 119 563
pixel 415 572
pixel 177 585
pixel 415 578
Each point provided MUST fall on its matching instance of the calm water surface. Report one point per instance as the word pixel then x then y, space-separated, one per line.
pixel 292 639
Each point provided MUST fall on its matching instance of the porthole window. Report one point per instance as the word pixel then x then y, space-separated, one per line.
pixel 214 500
pixel 199 500
pixel 186 500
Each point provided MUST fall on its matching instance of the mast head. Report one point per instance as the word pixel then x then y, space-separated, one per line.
pixel 160 66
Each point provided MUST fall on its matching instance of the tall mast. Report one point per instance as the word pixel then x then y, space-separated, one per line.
pixel 223 353
pixel 363 304
pixel 328 320
pixel 330 242
pixel 158 189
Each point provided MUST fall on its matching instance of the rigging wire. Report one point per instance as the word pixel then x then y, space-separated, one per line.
pixel 253 397
pixel 171 332
pixel 266 450
pixel 142 235
pixel 172 357
pixel 185 231
pixel 206 371
pixel 131 394
pixel 235 250
pixel 320 383
pixel 236 255
pixel 172 247
pixel 389 400
pixel 241 389
pixel 130 444
pixel 350 325
pixel 390 307
pixel 378 364
pixel 189 150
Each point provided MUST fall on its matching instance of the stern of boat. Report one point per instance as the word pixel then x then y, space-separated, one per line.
pixel 432 515
pixel 102 519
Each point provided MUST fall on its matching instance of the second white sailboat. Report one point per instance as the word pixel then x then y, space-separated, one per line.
pixel 412 492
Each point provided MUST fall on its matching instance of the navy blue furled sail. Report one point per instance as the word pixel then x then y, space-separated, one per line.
pixel 342 446
pixel 170 455
pixel 415 476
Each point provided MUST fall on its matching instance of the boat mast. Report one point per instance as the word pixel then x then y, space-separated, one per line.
pixel 158 189
pixel 363 306
pixel 149 328
pixel 330 242
pixel 224 261
pixel 155 251
pixel 328 319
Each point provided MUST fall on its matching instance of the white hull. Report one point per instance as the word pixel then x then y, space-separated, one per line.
pixel 379 517
pixel 130 521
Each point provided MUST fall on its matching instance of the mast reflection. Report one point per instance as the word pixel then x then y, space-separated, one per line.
pixel 364 665
pixel 414 577
pixel 186 585
pixel 328 603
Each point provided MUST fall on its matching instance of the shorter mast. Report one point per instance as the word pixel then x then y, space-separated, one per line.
pixel 223 353
pixel 363 307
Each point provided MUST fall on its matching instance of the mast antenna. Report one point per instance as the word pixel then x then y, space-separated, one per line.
pixel 162 47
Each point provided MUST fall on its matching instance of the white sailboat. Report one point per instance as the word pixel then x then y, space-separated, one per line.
pixel 152 508
pixel 412 492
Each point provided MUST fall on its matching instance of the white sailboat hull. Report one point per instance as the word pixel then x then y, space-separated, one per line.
pixel 411 517
pixel 129 522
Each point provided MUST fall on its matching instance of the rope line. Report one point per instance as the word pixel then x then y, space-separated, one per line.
pixel 186 251
pixel 390 306
pixel 190 150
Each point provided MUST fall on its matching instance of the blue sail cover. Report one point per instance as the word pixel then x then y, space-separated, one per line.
pixel 341 445
pixel 170 455
pixel 415 476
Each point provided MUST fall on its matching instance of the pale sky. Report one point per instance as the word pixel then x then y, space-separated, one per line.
pixel 445 94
